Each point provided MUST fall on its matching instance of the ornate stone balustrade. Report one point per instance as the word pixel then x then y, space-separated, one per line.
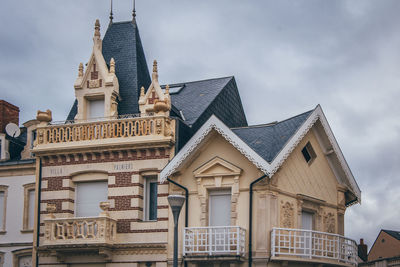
pixel 74 231
pixel 107 132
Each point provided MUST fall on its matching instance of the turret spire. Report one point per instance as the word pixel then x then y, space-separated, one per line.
pixel 111 12
pixel 134 11
pixel 97 28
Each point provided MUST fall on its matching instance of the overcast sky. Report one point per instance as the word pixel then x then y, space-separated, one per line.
pixel 286 56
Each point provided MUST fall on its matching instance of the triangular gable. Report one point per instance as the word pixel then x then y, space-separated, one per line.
pixel 217 167
pixel 267 168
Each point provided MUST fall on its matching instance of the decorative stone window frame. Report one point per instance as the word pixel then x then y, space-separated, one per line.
pixel 25 217
pixel 311 205
pixel 144 176
pixel 17 254
pixel 87 177
pixel 4 189
pixel 209 180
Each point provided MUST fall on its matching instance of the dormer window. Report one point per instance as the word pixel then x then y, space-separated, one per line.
pixel 308 153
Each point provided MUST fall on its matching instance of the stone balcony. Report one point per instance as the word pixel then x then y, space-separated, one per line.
pixel 312 247
pixel 67 232
pixel 134 131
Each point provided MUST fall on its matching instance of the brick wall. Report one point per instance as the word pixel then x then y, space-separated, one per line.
pixel 8 113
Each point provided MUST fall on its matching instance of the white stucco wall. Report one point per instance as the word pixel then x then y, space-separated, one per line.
pixel 14 216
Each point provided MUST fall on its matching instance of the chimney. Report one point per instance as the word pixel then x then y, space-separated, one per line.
pixel 8 113
pixel 363 250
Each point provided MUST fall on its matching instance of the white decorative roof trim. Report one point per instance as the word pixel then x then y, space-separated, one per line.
pixel 270 169
pixel 213 123
pixel 339 154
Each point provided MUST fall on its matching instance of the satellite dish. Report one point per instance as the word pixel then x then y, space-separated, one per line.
pixel 13 130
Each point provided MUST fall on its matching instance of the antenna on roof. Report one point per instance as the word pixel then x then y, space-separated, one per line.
pixel 134 10
pixel 111 12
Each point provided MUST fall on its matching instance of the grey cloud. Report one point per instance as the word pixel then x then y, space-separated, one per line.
pixel 287 56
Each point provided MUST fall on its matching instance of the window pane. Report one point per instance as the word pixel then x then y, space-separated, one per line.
pixel 25 261
pixel 88 198
pixel 153 201
pixel 306 220
pixel 306 155
pixel 95 109
pixel 1 210
pixel 31 208
pixel 220 208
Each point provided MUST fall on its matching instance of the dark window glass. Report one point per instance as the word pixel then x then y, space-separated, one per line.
pixel 153 201
pixel 308 153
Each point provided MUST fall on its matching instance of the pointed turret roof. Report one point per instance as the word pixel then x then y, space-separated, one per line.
pixel 122 42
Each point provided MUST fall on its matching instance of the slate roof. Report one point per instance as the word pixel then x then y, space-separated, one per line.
pixel 269 139
pixel 198 97
pixel 395 234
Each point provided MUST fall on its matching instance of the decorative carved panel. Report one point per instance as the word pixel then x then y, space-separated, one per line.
pixel 287 215
pixel 329 223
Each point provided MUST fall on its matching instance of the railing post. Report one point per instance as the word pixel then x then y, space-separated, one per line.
pixel 209 230
pixel 184 242
pixel 310 244
pixel 238 241
pixel 273 242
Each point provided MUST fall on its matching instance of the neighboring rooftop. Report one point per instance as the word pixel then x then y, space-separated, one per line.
pixel 395 234
pixel 269 139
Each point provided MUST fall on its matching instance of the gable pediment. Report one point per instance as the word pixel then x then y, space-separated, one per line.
pixel 217 167
pixel 268 168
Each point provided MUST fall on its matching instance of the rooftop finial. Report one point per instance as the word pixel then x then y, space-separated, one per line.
pixel 111 12
pixel 80 70
pixel 97 28
pixel 134 10
pixel 155 66
pixel 154 76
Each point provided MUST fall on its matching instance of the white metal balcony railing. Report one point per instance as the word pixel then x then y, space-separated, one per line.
pixel 93 230
pixel 313 245
pixel 214 241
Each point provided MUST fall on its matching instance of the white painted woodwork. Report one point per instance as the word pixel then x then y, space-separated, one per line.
pixel 287 242
pixel 214 240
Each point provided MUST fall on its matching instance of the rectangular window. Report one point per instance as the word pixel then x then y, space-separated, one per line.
pixel 151 185
pixel 29 207
pixel 88 198
pixel 220 208
pixel 2 210
pixel 307 220
pixel 308 153
pixel 95 109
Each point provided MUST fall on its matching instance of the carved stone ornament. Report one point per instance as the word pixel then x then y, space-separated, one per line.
pixel 44 116
pixel 94 83
pixel 329 223
pixel 287 215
